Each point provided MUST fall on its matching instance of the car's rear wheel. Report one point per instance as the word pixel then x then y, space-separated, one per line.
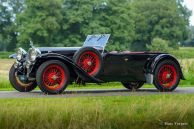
pixel 133 85
pixel 18 84
pixel 89 59
pixel 53 77
pixel 167 76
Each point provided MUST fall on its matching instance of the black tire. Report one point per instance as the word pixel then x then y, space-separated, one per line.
pixel 59 80
pixel 19 85
pixel 95 66
pixel 133 85
pixel 171 80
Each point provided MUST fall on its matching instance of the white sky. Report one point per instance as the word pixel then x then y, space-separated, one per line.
pixel 190 5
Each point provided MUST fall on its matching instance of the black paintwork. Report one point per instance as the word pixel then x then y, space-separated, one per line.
pixel 116 67
pixel 70 64
pixel 132 66
pixel 67 51
pixel 123 67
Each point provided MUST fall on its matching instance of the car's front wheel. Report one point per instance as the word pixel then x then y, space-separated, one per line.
pixel 133 85
pixel 167 76
pixel 21 85
pixel 53 77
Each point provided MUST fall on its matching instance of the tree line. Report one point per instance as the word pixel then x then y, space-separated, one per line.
pixel 133 24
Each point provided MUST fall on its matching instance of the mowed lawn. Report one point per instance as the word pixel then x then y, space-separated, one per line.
pixel 5 65
pixel 131 112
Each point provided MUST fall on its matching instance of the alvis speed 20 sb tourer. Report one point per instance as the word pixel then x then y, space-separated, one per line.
pixel 52 69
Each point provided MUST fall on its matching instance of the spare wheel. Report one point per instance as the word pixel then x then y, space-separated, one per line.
pixel 89 59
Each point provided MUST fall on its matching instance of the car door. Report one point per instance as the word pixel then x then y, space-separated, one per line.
pixel 114 67
pixel 124 67
pixel 135 64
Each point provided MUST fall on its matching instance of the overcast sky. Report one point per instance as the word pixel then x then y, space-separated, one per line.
pixel 190 5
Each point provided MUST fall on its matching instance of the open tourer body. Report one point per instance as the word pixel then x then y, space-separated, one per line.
pixel 52 69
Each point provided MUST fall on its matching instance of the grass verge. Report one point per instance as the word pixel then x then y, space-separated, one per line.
pixel 184 53
pixel 5 55
pixel 135 112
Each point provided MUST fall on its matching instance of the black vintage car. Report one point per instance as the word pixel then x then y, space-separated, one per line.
pixel 52 69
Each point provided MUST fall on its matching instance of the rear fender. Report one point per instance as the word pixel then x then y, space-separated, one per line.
pixel 54 56
pixel 155 61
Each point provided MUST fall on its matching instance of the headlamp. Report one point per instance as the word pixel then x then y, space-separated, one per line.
pixel 33 53
pixel 20 54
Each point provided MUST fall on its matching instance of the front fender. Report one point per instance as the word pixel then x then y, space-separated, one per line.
pixel 155 61
pixel 54 56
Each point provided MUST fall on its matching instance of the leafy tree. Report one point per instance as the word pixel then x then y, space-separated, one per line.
pixel 133 24
pixel 191 36
pixel 40 22
pixel 8 33
pixel 4 22
pixel 159 18
pixel 68 22
pixel 158 45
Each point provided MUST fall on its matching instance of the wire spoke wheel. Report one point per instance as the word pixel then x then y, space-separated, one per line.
pixel 89 61
pixel 53 77
pixel 167 76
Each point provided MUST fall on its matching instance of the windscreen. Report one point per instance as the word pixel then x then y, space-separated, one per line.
pixel 97 40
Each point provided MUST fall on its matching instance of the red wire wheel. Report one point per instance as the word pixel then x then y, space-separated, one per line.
pixel 54 77
pixel 167 75
pixel 89 59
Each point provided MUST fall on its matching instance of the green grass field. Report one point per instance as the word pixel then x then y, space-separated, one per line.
pixel 184 53
pixel 5 55
pixel 134 112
